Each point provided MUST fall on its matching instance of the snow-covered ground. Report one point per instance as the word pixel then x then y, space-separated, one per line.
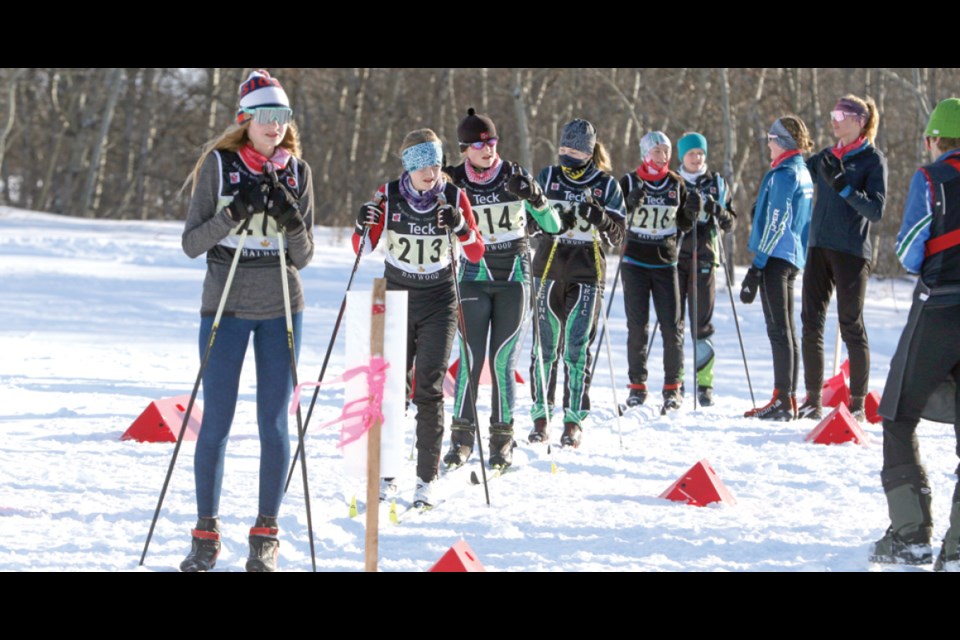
pixel 100 318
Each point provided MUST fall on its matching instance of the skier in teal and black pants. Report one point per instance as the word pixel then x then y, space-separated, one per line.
pixel 495 291
pixel 569 297
pixel 925 371
pixel 709 190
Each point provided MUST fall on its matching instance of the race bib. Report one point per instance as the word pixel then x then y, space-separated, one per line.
pixel 501 222
pixel 653 221
pixel 420 254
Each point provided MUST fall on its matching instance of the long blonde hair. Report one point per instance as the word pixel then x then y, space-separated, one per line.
pixel 235 138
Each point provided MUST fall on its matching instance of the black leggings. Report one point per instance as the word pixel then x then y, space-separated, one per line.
pixel 776 294
pixel 639 284
pixel 826 268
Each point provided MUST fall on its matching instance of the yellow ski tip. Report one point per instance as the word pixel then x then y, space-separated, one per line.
pixel 553 467
pixel 353 507
pixel 394 519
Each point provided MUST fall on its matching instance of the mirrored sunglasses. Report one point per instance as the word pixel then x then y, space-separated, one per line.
pixel 840 116
pixel 490 142
pixel 267 115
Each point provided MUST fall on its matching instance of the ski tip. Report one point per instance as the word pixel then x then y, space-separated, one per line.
pixel 474 479
pixel 353 507
pixel 394 517
pixel 553 468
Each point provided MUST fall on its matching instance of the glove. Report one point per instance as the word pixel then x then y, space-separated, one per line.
pixel 523 187
pixel 692 203
pixel 568 219
pixel 750 285
pixel 591 212
pixel 369 215
pixel 831 168
pixel 635 197
pixel 712 207
pixel 250 199
pixel 285 208
pixel 449 217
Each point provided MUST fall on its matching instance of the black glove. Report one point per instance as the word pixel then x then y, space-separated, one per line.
pixel 285 208
pixel 449 217
pixel 523 187
pixel 250 199
pixel 831 168
pixel 712 207
pixel 591 212
pixel 692 204
pixel 568 219
pixel 750 286
pixel 635 197
pixel 369 215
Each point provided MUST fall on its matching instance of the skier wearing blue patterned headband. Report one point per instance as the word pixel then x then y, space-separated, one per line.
pixel 415 213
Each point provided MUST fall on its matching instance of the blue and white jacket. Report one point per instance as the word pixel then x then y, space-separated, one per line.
pixel 781 217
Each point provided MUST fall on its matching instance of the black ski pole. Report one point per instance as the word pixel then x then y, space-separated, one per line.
pixel 333 338
pixel 736 320
pixel 694 319
pixel 243 232
pixel 291 347
pixel 461 323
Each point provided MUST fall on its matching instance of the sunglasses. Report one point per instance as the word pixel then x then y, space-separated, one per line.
pixel 267 115
pixel 772 136
pixel 490 142
pixel 840 116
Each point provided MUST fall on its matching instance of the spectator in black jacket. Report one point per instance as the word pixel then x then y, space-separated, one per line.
pixel 851 183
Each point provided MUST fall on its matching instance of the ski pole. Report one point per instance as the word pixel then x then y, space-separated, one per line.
pixel 291 347
pixel 613 381
pixel 613 294
pixel 462 325
pixel 694 319
pixel 243 232
pixel 736 320
pixel 378 199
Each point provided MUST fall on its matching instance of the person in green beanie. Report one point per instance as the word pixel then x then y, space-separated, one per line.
pixel 925 369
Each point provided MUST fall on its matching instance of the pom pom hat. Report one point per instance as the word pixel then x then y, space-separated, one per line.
pixel 260 90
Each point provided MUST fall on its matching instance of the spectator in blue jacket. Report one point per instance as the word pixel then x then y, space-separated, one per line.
pixel 781 221
pixel 851 187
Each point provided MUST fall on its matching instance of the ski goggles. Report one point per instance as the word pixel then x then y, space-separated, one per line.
pixel 840 116
pixel 490 142
pixel 266 115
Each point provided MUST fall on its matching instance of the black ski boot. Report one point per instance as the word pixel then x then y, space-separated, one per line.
pixel 638 395
pixel 501 445
pixel 672 397
pixel 540 432
pixel 461 444
pixel 811 408
pixel 705 396
pixel 949 556
pixel 571 435
pixel 204 548
pixel 907 539
pixel 264 546
pixel 857 409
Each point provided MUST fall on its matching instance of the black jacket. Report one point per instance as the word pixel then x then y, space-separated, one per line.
pixel 841 221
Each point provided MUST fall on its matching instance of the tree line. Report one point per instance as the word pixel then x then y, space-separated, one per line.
pixel 118 143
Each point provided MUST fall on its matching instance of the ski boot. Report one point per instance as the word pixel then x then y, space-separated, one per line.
pixel 388 489
pixel 423 497
pixel 540 432
pixel 705 396
pixel 949 556
pixel 204 548
pixel 571 435
pixel 501 445
pixel 857 410
pixel 264 546
pixel 461 444
pixel 811 408
pixel 638 395
pixel 672 397
pixel 779 409
pixel 907 539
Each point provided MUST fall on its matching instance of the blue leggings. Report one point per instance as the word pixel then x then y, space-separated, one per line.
pixel 221 380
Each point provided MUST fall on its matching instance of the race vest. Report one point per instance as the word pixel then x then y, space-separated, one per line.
pixel 565 199
pixel 418 252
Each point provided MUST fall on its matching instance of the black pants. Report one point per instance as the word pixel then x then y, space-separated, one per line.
pixel 932 355
pixel 639 284
pixel 706 294
pixel 824 270
pixel 431 325
pixel 776 295
pixel 491 310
